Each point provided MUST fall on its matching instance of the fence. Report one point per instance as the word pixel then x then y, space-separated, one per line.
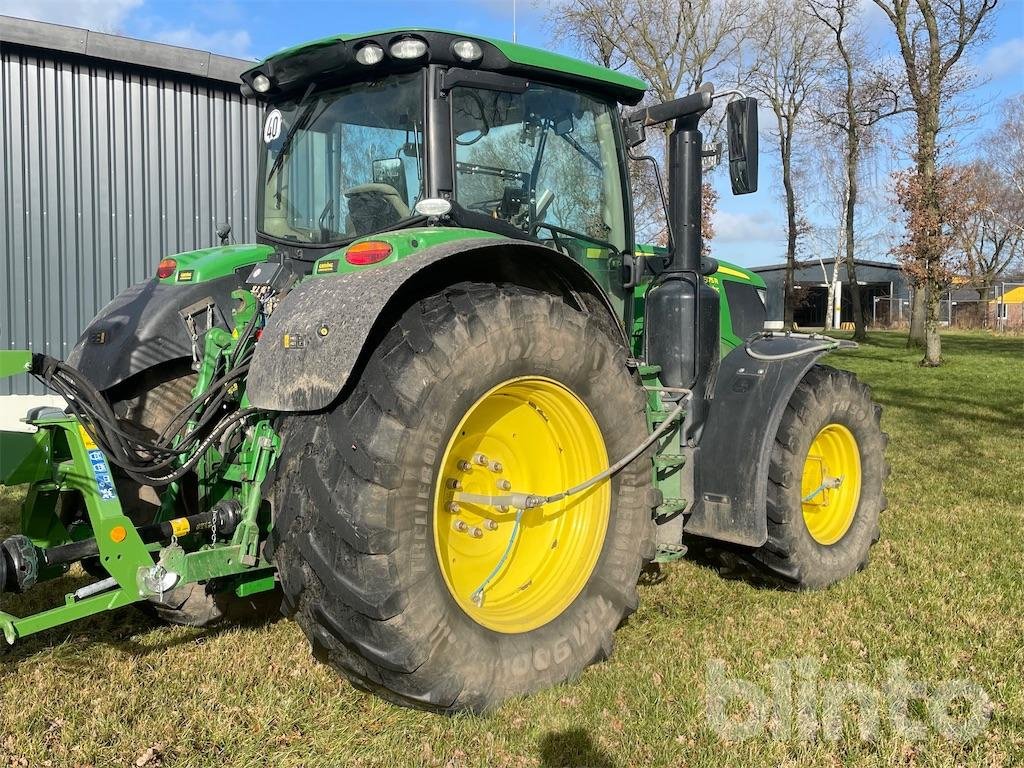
pixel 1003 312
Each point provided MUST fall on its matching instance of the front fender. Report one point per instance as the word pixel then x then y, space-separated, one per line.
pixel 314 339
pixel 733 456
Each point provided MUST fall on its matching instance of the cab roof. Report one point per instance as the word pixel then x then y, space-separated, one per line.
pixel 334 56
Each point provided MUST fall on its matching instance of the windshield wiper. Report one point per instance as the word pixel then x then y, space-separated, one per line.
pixel 288 137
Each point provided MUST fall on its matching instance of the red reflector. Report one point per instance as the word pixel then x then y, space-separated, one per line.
pixel 369 252
pixel 166 268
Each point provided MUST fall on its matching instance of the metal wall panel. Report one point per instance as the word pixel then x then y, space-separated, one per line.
pixel 104 170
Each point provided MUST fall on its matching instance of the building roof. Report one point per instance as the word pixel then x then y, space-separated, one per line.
pixel 122 50
pixel 809 263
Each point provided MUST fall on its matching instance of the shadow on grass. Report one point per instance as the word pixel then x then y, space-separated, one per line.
pixel 116 629
pixel 572 748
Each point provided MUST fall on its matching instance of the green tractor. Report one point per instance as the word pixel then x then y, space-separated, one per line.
pixel 446 409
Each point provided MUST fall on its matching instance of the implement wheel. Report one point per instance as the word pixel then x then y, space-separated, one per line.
pixel 443 604
pixel 825 482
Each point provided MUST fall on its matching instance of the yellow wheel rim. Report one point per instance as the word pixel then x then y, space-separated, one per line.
pixel 544 440
pixel 830 487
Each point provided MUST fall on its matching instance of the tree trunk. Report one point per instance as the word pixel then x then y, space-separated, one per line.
pixel 859 329
pixel 787 182
pixel 928 249
pixel 932 339
pixel 917 314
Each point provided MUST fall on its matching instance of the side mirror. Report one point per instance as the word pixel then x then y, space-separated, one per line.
pixel 741 116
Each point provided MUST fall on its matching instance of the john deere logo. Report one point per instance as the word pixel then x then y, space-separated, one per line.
pixel 186 275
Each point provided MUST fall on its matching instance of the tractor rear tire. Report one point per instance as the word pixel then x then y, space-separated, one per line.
pixel 369 551
pixel 831 431
pixel 145 405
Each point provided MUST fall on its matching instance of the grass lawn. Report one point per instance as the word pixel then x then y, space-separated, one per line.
pixel 943 596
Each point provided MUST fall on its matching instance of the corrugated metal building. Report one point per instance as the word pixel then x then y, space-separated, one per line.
pixel 113 153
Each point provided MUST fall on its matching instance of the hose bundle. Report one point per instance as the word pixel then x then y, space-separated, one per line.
pixel 181 444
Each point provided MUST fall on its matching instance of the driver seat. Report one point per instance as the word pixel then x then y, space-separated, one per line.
pixel 372 207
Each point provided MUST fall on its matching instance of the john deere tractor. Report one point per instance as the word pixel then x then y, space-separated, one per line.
pixel 445 409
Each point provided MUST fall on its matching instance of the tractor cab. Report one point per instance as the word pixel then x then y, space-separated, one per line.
pixel 369 134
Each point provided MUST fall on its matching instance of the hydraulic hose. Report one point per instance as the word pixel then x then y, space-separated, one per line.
pixel 529 500
pixel 829 345
pixel 524 501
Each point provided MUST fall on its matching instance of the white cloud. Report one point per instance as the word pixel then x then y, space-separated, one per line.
pixel 225 42
pixel 1004 59
pixel 731 227
pixel 98 15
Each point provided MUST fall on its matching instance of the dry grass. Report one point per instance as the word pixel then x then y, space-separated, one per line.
pixel 944 593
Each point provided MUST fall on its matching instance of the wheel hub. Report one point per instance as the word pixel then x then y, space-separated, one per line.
pixel 830 487
pixel 513 570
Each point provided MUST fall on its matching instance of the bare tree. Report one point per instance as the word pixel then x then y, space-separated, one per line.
pixel 933 36
pixel 1007 142
pixel 675 46
pixel 794 57
pixel 858 97
pixel 991 233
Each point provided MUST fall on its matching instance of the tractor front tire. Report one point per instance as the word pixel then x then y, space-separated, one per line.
pixel 495 388
pixel 825 483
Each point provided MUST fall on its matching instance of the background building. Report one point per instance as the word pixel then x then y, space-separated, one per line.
pixel 884 292
pixel 113 153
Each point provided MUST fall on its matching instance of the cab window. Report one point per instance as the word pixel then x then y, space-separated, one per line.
pixel 544 161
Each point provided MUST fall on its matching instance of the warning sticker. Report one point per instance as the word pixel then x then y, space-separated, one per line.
pixel 87 441
pixel 272 126
pixel 101 473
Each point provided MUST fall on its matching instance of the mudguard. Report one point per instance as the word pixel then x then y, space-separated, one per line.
pixel 735 447
pixel 314 338
pixel 143 326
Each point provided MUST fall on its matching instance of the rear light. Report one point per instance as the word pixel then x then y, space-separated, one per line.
pixel 166 268
pixel 368 252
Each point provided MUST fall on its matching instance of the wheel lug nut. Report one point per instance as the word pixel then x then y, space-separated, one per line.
pixel 490 525
pixel 454 507
pixel 504 485
pixel 452 484
pixel 504 508
pixel 480 459
pixel 464 465
pixel 476 533
pixel 460 526
pixel 496 466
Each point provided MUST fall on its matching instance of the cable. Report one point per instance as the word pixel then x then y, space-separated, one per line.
pixel 523 501
pixel 530 500
pixel 831 344
pixel 142 459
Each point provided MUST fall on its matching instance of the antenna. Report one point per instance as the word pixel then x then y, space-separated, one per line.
pixel 514 40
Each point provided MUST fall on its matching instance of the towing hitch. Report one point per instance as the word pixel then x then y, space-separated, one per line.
pixel 65 459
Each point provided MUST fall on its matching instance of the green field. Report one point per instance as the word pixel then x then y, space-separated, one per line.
pixel 944 595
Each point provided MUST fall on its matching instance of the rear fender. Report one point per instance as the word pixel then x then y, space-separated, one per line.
pixel 323 328
pixel 143 327
pixel 735 448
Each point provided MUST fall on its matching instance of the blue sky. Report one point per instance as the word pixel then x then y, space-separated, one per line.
pixel 750 229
